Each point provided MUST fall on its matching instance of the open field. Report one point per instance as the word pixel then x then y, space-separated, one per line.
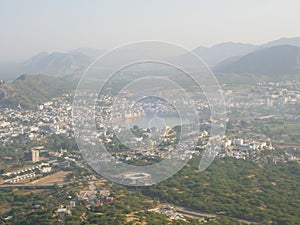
pixel 4 208
pixel 58 178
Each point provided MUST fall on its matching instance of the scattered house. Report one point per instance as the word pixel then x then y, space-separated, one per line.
pixel 47 169
pixel 63 212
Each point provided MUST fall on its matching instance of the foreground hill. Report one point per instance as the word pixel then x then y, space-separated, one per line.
pixel 29 90
pixel 273 61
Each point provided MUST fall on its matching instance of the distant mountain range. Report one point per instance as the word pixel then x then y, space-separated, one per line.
pixel 57 64
pixel 284 41
pixel 52 64
pixel 229 50
pixel 224 58
pixel 272 61
pixel 223 51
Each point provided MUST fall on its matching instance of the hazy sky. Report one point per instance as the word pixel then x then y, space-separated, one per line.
pixel 31 26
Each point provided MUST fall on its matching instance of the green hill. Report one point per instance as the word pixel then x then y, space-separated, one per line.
pixel 30 90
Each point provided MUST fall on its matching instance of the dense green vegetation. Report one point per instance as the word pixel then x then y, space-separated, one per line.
pixel 128 208
pixel 30 207
pixel 28 91
pixel 287 132
pixel 237 188
pixel 234 188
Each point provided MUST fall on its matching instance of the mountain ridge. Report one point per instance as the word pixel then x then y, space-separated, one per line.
pixel 222 51
pixel 272 61
pixel 76 61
